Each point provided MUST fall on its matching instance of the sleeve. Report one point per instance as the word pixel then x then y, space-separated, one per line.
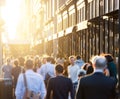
pixel 49 89
pixel 42 90
pixel 2 69
pixel 71 89
pixel 19 91
pixel 79 92
pixel 42 71
pixel 68 69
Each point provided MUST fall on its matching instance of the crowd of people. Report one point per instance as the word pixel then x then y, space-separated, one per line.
pixel 62 78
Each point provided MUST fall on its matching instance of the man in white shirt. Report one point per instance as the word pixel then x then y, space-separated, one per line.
pixel 73 70
pixel 34 81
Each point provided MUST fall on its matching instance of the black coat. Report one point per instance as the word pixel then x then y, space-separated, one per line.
pixel 96 86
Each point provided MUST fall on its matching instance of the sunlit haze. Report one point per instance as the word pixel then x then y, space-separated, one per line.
pixel 11 15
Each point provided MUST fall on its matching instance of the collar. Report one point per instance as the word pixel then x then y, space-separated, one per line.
pixel 98 70
pixel 29 70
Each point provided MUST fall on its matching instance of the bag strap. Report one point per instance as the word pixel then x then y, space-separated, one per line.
pixel 25 81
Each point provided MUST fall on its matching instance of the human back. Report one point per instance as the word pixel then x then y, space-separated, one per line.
pixel 34 82
pixel 60 86
pixel 96 85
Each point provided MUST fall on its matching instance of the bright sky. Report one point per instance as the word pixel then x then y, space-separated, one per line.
pixel 11 15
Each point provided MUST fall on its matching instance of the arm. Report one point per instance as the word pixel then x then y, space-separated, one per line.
pixel 19 91
pixel 79 91
pixel 42 90
pixel 49 89
pixel 71 90
pixel 42 71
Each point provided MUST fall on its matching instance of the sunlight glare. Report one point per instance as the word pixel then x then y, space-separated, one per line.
pixel 11 15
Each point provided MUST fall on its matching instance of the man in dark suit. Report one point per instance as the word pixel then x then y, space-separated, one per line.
pixel 96 85
pixel 59 86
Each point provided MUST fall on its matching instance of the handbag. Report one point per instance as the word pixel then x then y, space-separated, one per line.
pixel 28 93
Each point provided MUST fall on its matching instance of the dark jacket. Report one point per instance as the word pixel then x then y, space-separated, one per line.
pixel 113 70
pixel 96 86
pixel 60 86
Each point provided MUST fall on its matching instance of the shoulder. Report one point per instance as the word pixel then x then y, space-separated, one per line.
pixel 86 78
pixel 38 75
pixel 43 66
pixel 21 76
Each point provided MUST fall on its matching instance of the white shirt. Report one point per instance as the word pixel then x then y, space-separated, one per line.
pixel 34 82
pixel 73 72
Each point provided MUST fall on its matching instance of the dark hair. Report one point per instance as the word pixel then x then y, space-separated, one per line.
pixel 78 57
pixel 81 73
pixel 89 70
pixel 59 68
pixel 21 61
pixel 16 62
pixel 109 57
pixel 48 59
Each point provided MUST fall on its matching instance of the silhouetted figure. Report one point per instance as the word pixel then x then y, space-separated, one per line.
pixel 59 86
pixel 97 85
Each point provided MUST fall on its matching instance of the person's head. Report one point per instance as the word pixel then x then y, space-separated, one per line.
pixel 16 62
pixel 81 73
pixel 52 60
pixel 72 60
pixel 109 57
pixel 44 60
pixel 78 57
pixel 8 61
pixel 29 64
pixel 85 66
pixel 99 62
pixel 21 61
pixel 59 69
pixel 49 59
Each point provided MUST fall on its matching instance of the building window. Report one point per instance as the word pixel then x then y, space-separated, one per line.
pixel 59 24
pixel 94 8
pixel 91 9
pixel 88 11
pixel 106 6
pixel 72 15
pixel 110 5
pixel 97 8
pixel 101 7
pixel 78 16
pixel 83 13
pixel 116 4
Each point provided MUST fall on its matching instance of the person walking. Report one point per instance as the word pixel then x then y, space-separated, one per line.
pixel 60 86
pixel 47 70
pixel 7 69
pixel 34 82
pixel 97 85
pixel 73 70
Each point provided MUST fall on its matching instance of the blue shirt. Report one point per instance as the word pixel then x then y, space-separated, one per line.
pixel 7 69
pixel 47 68
pixel 34 82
